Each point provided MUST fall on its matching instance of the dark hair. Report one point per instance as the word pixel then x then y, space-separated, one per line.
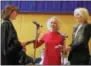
pixel 5 14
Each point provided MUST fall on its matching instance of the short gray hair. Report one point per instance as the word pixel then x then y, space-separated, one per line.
pixel 83 12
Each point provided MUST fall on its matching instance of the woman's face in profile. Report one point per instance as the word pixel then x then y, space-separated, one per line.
pixel 14 15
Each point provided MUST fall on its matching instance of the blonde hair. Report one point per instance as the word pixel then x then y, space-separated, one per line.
pixel 50 20
pixel 83 12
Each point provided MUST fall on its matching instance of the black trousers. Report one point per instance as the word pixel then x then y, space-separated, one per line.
pixel 77 62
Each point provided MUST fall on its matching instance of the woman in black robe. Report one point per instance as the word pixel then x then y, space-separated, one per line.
pixel 10 45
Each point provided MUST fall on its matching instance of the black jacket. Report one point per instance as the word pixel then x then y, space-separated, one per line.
pixel 80 50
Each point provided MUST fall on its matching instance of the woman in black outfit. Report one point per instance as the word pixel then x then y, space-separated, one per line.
pixel 10 45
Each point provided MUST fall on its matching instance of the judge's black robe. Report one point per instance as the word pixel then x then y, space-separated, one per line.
pixel 10 46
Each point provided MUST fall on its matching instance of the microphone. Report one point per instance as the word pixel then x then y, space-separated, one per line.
pixel 38 25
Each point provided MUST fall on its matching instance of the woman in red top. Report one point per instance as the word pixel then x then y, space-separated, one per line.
pixel 53 43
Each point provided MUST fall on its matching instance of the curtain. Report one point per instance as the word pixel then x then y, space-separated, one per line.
pixel 48 6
